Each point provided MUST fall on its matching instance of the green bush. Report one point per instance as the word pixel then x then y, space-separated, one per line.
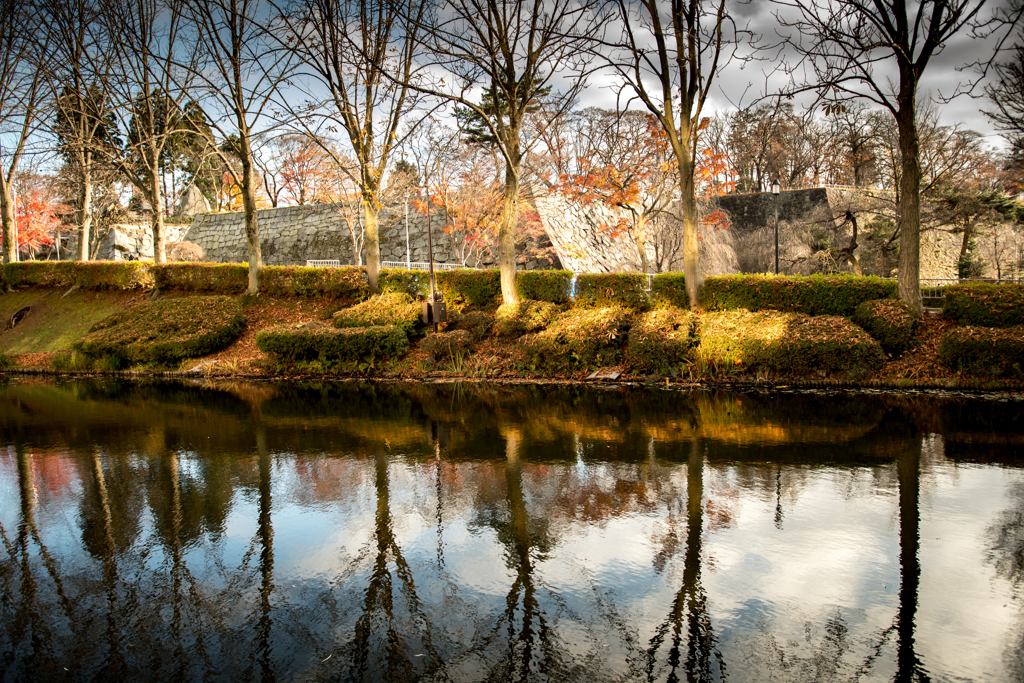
pixel 348 285
pixel 402 281
pixel 890 321
pixel 985 304
pixel 787 343
pixel 350 348
pixel 392 308
pixel 669 290
pixel 812 295
pixel 477 323
pixel 579 338
pixel 165 331
pixel 620 290
pixel 515 320
pixel 984 350
pixel 661 339
pixel 467 287
pixel 6 361
pixel 544 285
pixel 217 278
pixel 447 344
pixel 85 274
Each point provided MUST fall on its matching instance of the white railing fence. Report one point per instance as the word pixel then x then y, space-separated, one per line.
pixel 415 265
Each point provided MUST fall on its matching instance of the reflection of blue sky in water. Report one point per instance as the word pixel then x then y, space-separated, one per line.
pixel 798 578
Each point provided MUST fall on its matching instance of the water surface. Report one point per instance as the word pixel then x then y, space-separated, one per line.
pixel 166 531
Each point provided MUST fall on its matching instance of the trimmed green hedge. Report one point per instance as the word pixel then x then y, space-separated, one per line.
pixel 219 278
pixel 515 320
pixel 661 339
pixel 467 287
pixel 544 285
pixel 460 287
pixel 620 290
pixel 348 285
pixel 812 295
pixel 165 331
pixel 579 338
pixel 392 308
pixel 668 290
pixel 890 321
pixel 85 274
pixel 787 343
pixel 984 350
pixel 411 282
pixel 985 304
pixel 346 348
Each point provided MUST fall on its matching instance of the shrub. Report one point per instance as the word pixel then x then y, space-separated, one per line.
pixel 620 290
pixel 447 344
pixel 669 290
pixel 185 251
pixel 579 338
pixel 468 287
pixel 984 350
pixel 402 281
pixel 353 348
pixel 985 304
pixel 544 285
pixel 165 331
pixel 384 309
pixel 85 274
pixel 515 320
pixel 348 285
pixel 477 323
pixel 661 339
pixel 890 321
pixel 788 343
pixel 812 295
pixel 218 278
pixel 6 361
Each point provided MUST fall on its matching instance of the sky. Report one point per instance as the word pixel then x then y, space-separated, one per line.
pixel 743 82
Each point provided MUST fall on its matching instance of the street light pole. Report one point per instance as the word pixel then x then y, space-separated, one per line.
pixel 408 256
pixel 775 191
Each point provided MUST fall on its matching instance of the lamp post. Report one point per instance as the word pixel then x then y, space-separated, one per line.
pixel 775 191
pixel 408 256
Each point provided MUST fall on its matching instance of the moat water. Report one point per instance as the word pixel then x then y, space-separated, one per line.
pixel 350 532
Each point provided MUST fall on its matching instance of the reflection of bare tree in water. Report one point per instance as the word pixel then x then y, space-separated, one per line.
pixel 29 628
pixel 693 653
pixel 908 664
pixel 262 647
pixel 1006 552
pixel 380 648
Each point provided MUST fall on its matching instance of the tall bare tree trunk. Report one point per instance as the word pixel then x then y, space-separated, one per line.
pixel 691 252
pixel 371 241
pixel 156 201
pixel 85 213
pixel 10 228
pixel 507 233
pixel 908 273
pixel 252 230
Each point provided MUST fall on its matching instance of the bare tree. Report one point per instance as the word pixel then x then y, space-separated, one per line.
pixel 19 106
pixel 345 47
pixel 516 51
pixel 240 73
pixel 75 68
pixel 669 55
pixel 151 90
pixel 852 48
